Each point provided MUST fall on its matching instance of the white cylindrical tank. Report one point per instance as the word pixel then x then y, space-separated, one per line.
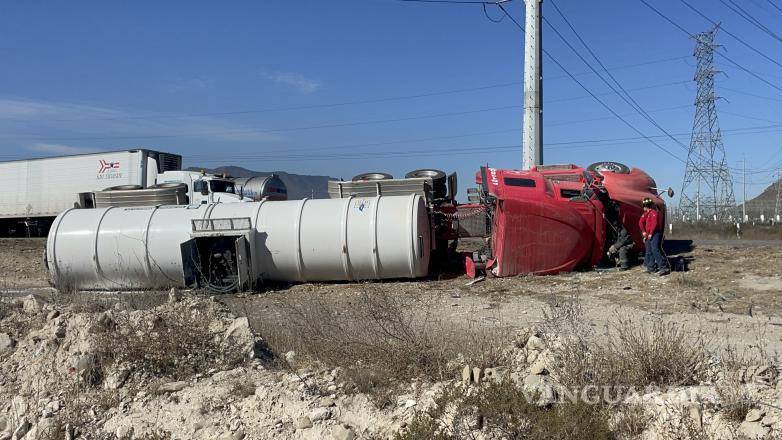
pixel 256 188
pixel 305 240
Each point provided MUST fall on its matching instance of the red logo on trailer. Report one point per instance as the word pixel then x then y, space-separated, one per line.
pixel 106 166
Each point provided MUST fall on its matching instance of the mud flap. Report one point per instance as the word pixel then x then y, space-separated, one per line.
pixel 190 259
pixel 243 263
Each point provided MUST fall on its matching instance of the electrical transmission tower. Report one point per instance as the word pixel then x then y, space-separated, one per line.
pixel 707 190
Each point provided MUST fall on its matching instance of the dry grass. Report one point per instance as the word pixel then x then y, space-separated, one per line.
pixel 501 410
pixel 628 353
pixel 376 338
pixel 176 344
pixel 686 281
pixel 630 421
pixel 736 402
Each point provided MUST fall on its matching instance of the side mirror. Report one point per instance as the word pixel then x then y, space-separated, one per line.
pixel 670 192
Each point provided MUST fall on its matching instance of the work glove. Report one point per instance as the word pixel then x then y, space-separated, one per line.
pixel 612 250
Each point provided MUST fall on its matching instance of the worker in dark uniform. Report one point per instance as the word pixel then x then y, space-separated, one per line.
pixel 651 224
pixel 622 247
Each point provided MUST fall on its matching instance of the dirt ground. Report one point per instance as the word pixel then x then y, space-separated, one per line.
pixel 722 296
pixel 728 289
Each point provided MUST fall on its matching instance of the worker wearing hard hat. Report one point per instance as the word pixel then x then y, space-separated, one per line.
pixel 651 224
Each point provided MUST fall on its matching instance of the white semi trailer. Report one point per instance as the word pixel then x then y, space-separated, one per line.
pixel 35 191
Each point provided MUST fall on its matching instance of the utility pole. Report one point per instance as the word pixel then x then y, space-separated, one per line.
pixel 532 153
pixel 744 196
pixel 778 204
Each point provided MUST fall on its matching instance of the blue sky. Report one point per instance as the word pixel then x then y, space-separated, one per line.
pixel 335 87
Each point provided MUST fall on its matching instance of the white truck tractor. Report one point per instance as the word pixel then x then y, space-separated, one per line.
pixel 35 191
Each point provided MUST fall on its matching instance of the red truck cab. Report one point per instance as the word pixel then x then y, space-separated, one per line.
pixel 553 218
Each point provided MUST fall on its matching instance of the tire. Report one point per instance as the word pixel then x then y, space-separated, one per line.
pixel 439 180
pixel 363 177
pixel 612 167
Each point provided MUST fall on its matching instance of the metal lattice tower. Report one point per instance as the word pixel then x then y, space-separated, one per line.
pixel 707 190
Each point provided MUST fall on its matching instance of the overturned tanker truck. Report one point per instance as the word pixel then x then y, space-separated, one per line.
pixel 545 220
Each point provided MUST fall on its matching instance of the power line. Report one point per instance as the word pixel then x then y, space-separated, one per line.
pixel 735 37
pixel 592 94
pixel 678 26
pixel 343 103
pixel 627 98
pixel 322 126
pixel 774 5
pixel 750 18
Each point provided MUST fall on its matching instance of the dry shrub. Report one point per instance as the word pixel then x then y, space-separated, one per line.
pixel 735 400
pixel 631 421
pixel 98 302
pixel 375 337
pixel 176 344
pixel 686 281
pixel 628 353
pixel 502 410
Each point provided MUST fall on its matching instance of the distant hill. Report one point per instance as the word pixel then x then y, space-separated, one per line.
pixel 764 203
pixel 299 185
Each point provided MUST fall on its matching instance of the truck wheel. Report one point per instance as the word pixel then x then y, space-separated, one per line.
pixel 613 167
pixel 372 176
pixel 439 184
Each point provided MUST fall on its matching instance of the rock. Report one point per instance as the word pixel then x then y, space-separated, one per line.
pixel 290 357
pixel 467 375
pixel 174 296
pixel 32 304
pixel 320 414
pixel 538 385
pixel 172 387
pixel 340 432
pixel 769 420
pixel 476 375
pixel 696 415
pixel 539 367
pixel 753 430
pixel 493 374
pixel 53 406
pixel 124 432
pixel 22 429
pixel 52 315
pixel 535 343
pixel 325 402
pixel 303 423
pixel 754 415
pixel 116 379
pixel 238 435
pixel 523 336
pixel 764 374
pixel 6 342
pixel 3 423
